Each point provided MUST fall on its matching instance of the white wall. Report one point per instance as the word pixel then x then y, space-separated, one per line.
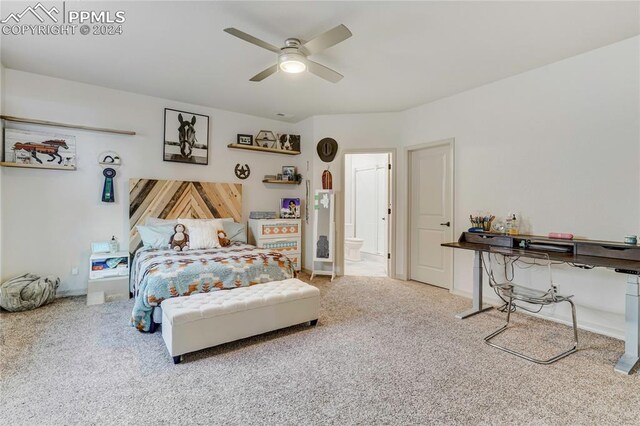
pixel 49 218
pixel 560 145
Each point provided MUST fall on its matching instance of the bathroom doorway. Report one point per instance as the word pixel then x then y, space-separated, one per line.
pixel 366 214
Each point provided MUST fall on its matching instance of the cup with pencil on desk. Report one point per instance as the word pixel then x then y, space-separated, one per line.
pixel 481 223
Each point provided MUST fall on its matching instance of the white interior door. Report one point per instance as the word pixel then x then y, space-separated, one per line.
pixel 382 177
pixel 366 209
pixel 430 212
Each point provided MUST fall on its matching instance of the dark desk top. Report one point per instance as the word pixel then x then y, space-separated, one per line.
pixel 579 259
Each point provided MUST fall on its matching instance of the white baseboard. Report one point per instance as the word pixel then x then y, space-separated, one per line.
pixel 70 293
pixel 583 324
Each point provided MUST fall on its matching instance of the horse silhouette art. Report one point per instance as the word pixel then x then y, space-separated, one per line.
pixel 50 147
pixel 187 136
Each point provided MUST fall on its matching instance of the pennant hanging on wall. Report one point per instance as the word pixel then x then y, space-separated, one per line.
pixel 108 195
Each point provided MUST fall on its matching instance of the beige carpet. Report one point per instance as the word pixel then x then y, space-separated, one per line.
pixel 384 352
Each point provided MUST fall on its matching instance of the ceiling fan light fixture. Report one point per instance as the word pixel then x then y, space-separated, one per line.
pixel 292 62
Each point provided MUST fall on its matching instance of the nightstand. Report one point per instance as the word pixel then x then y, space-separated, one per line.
pixel 283 235
pixel 108 277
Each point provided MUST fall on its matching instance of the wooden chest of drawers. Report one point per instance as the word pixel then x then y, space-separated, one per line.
pixel 283 235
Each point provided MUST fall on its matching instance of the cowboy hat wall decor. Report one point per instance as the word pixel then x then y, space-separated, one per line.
pixel 327 149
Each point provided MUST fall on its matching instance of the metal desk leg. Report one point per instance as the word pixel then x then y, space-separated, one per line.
pixel 477 305
pixel 629 360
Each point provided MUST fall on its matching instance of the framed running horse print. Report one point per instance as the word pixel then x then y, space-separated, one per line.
pixel 186 137
pixel 39 149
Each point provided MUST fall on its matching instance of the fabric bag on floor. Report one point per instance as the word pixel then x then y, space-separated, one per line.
pixel 27 292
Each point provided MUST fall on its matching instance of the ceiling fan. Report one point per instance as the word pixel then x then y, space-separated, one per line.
pixel 293 56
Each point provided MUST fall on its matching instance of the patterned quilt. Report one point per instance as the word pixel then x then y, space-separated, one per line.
pixel 160 274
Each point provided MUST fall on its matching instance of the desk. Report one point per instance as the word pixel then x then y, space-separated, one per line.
pixel 625 262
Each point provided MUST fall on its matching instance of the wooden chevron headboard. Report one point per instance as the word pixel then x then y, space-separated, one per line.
pixel 172 199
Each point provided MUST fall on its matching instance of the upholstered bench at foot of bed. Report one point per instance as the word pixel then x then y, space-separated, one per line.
pixel 204 320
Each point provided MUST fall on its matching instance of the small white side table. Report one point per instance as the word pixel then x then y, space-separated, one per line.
pixel 108 277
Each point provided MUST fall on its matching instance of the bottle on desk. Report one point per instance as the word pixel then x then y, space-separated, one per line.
pixel 113 245
pixel 512 225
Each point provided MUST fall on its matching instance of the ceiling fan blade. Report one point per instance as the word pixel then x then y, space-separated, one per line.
pixel 251 39
pixel 328 39
pixel 264 74
pixel 324 72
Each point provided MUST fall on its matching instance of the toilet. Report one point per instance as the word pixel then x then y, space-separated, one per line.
pixel 352 249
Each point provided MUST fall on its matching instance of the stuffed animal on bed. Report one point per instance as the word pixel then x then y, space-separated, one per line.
pixel 179 240
pixel 222 237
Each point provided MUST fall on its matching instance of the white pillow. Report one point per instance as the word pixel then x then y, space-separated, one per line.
pixel 203 234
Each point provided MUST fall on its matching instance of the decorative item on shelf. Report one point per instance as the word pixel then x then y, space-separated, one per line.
pixel 631 239
pixel 290 208
pixel 271 177
pixel 266 139
pixel 278 176
pixel 38 149
pixel 289 173
pixel 245 139
pixel 109 161
pixel 482 222
pixel 242 172
pixel 327 179
pixel 288 142
pixel 186 137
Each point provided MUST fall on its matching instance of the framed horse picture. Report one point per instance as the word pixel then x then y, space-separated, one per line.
pixel 186 137
pixel 38 149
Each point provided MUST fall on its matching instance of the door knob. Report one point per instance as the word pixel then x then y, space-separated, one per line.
pixel 446 224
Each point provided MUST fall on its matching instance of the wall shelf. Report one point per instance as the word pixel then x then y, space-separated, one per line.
pixel 34 166
pixel 71 126
pixel 258 148
pixel 281 182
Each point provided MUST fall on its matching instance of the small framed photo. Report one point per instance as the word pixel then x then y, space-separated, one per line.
pixel 290 208
pixel 288 172
pixel 245 139
pixel 288 142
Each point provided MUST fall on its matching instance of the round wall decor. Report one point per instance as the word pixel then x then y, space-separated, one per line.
pixel 242 172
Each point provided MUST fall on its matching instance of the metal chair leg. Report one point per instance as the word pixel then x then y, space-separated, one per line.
pixel 551 360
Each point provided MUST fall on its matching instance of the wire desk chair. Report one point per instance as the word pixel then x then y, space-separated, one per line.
pixel 510 292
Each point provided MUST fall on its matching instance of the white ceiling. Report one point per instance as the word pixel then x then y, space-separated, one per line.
pixel 401 54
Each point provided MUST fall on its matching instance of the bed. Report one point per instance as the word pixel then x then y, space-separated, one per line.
pixel 158 274
pixel 161 274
